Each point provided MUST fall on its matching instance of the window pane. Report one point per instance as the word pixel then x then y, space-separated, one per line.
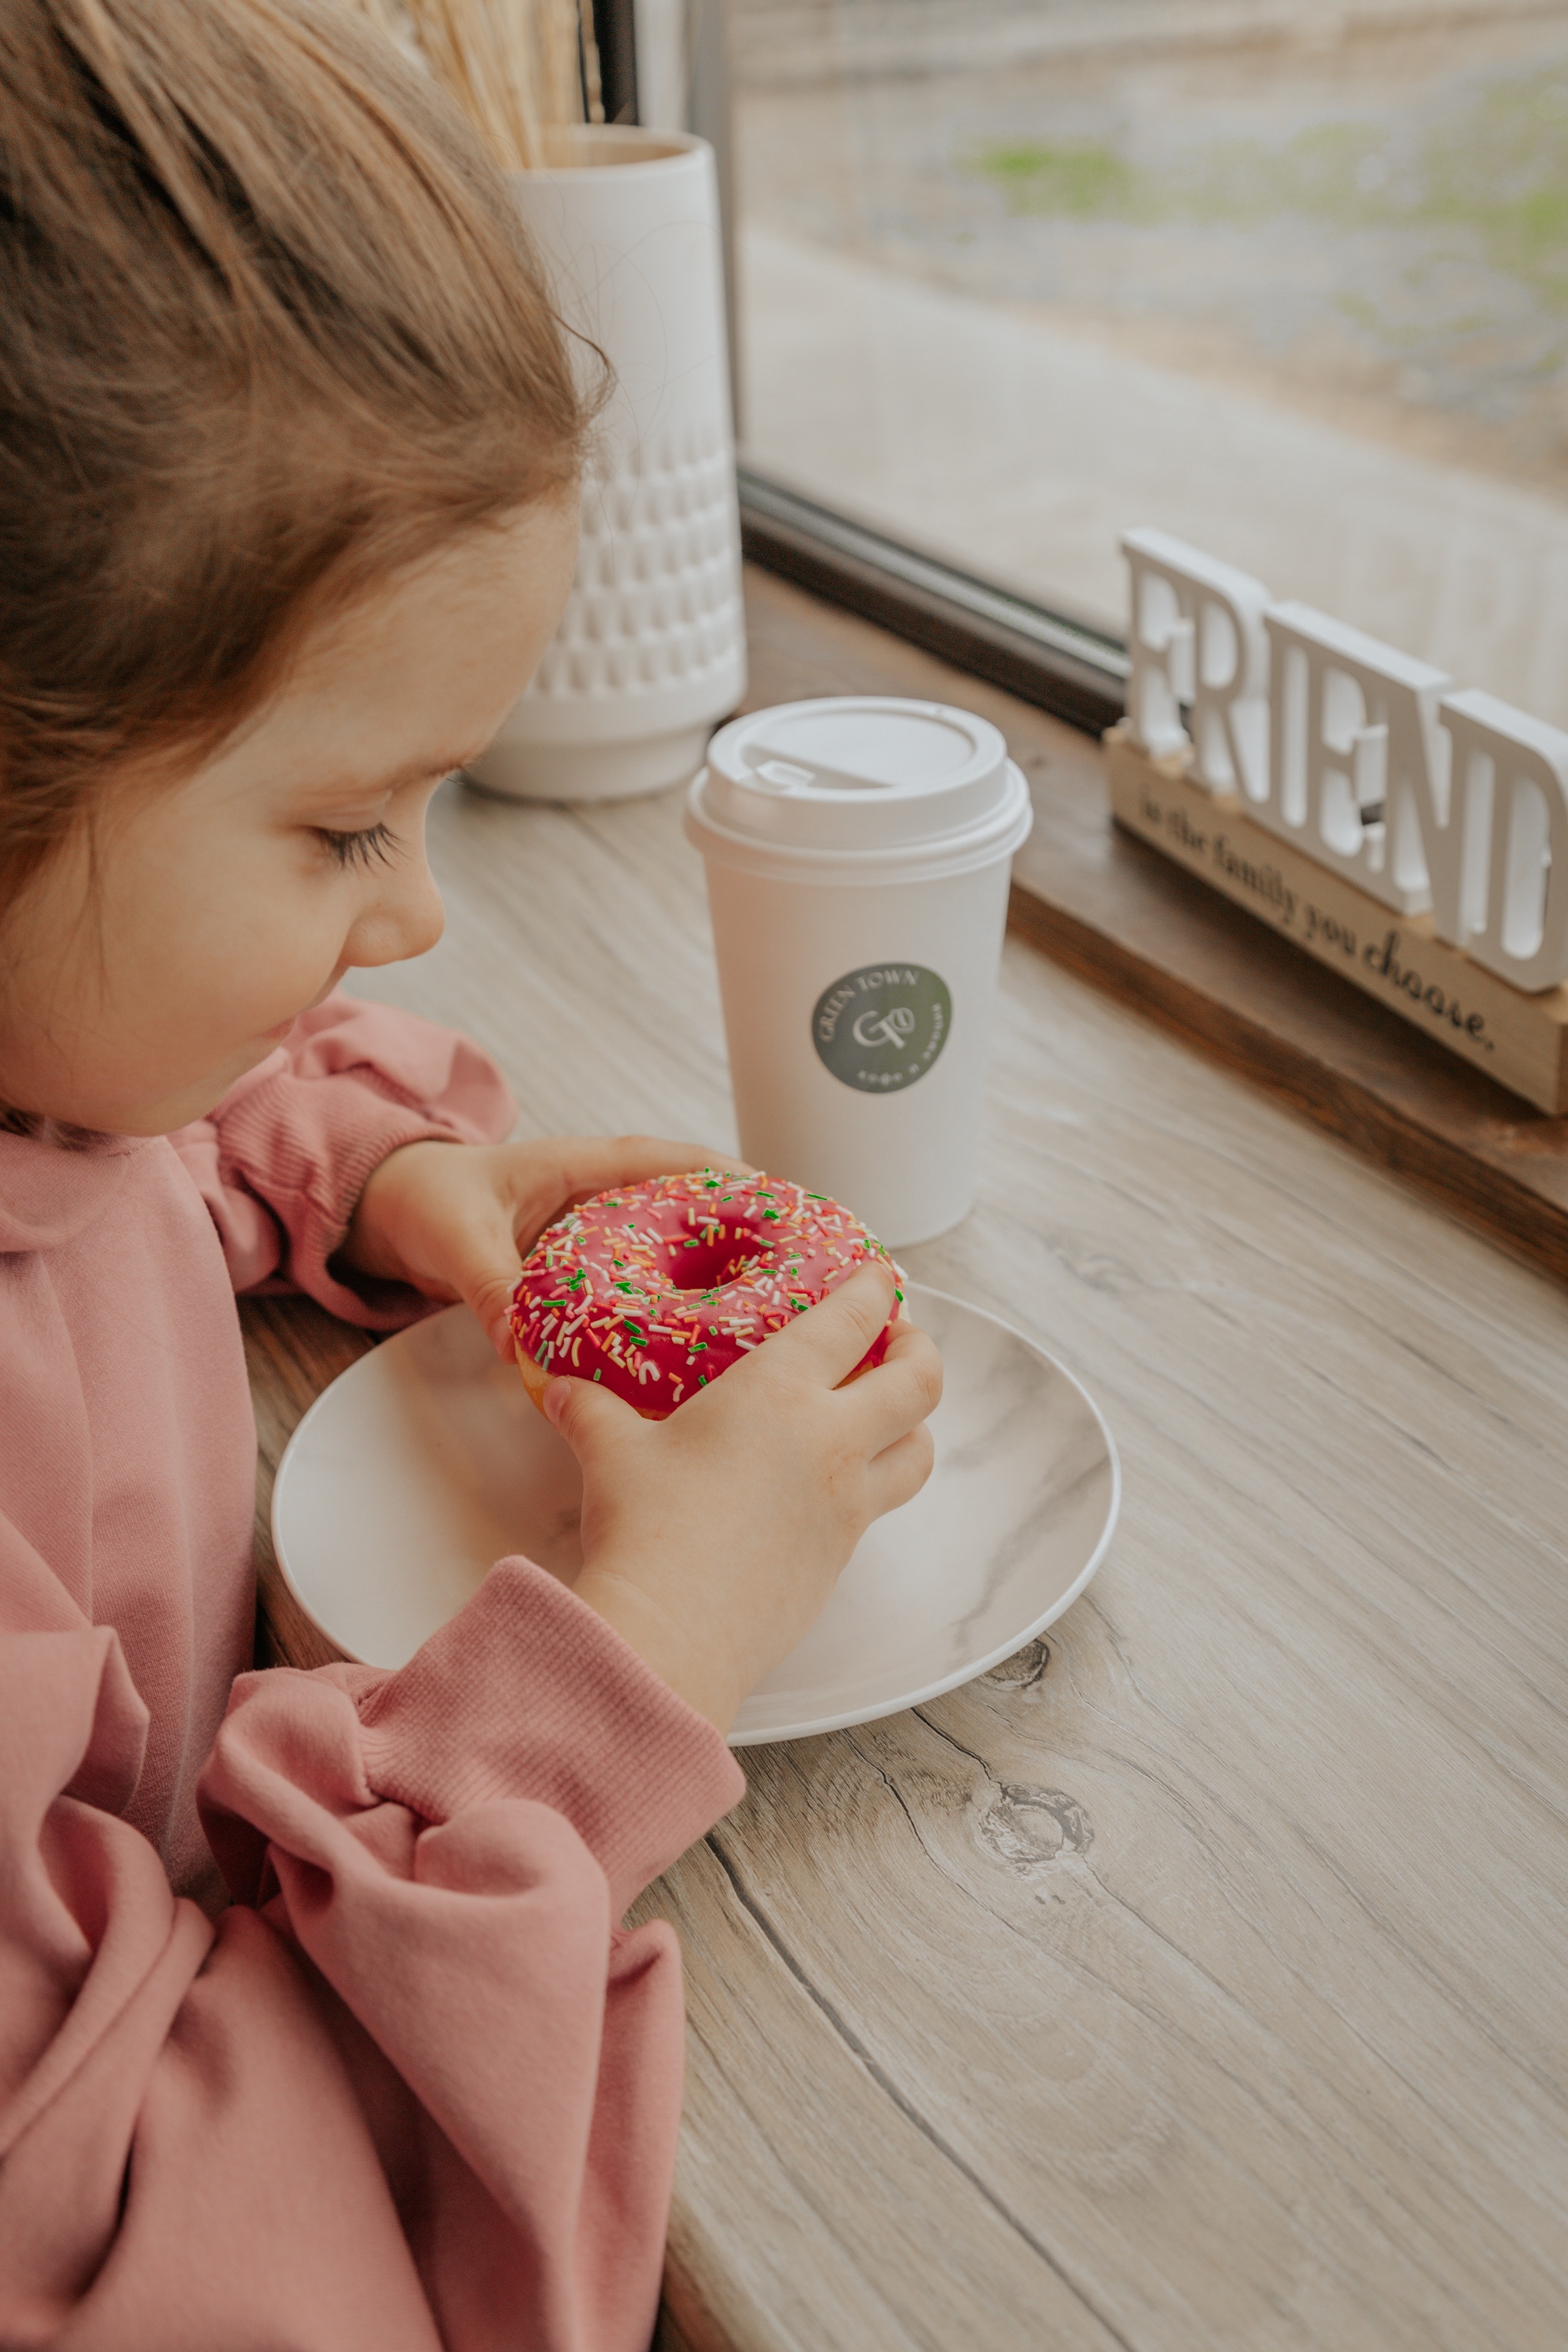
pixel 1289 280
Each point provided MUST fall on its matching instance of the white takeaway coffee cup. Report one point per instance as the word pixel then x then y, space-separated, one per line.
pixel 858 852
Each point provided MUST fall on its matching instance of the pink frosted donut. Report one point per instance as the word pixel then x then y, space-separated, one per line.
pixel 656 1288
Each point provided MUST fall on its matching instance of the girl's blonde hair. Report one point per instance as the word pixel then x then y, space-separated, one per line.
pixel 269 330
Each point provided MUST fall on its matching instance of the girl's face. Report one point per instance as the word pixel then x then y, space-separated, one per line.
pixel 166 950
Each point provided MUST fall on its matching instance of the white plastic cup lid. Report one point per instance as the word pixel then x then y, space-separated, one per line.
pixel 857 771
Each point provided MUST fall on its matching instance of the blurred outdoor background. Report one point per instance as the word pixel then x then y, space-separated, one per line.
pixel 1285 277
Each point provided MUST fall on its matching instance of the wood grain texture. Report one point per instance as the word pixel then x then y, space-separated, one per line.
pixel 1197 1979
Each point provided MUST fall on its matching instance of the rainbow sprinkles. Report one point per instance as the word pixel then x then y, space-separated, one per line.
pixel 656 1288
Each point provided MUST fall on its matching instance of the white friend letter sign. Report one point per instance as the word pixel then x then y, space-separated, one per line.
pixel 1358 755
pixel 1196 641
pixel 1355 769
pixel 1511 784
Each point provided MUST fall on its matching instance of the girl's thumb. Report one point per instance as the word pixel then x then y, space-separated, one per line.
pixel 583 1411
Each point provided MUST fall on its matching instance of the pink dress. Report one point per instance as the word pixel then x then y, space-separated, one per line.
pixel 415 2086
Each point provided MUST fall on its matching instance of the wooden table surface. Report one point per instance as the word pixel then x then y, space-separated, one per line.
pixel 1199 1978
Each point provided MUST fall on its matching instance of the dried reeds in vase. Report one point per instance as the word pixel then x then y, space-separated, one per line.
pixel 517 68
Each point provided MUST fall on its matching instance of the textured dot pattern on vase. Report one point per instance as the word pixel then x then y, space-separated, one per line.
pixel 656 600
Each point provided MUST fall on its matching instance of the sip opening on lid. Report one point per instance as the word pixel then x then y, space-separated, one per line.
pixel 913 781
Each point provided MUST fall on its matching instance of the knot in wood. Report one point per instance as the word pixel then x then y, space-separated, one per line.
pixel 1023 1670
pixel 1026 1830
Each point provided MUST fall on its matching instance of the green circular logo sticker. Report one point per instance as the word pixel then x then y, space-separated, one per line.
pixel 881 1028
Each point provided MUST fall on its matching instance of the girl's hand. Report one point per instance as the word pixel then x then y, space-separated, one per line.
pixel 711 1540
pixel 457 1220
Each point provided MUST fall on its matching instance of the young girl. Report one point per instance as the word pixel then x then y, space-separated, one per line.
pixel 288 463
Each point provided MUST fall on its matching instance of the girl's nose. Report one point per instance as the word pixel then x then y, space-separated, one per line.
pixel 405 917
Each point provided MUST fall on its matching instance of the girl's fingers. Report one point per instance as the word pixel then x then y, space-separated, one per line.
pixel 903 1391
pixel 898 1473
pixel 828 1341
pixel 488 1288
pixel 481 1261
pixel 586 1412
pixel 910 1344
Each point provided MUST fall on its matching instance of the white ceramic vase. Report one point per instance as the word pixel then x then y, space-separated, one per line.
pixel 651 650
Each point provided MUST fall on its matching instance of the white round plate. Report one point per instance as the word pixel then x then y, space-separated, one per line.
pixel 426 1461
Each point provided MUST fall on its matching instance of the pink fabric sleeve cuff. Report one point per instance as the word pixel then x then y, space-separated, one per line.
pixel 308 1147
pixel 283 1158
pixel 528 1691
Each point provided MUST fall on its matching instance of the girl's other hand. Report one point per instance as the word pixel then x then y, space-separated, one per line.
pixel 713 1539
pixel 457 1220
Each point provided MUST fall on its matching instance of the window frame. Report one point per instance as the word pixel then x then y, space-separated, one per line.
pixel 1076 673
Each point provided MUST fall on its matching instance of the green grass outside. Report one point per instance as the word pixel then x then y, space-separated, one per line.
pixel 1497 168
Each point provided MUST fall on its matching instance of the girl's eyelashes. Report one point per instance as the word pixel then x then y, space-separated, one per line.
pixel 372 847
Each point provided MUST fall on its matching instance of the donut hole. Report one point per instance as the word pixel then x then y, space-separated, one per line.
pixel 697 1263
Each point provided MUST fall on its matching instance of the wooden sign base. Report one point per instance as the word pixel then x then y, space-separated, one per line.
pixel 1521 1040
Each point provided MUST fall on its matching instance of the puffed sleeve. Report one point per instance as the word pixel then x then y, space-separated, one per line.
pixel 283 1158
pixel 416 2088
